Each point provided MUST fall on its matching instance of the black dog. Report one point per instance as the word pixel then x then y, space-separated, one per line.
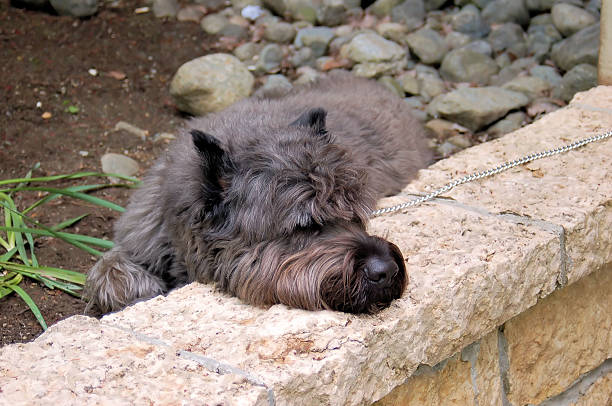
pixel 270 200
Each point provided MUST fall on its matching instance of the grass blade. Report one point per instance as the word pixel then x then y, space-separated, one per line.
pixel 67 192
pixel 26 298
pixel 68 223
pixel 99 242
pixel 77 175
pixel 80 188
pixel 47 271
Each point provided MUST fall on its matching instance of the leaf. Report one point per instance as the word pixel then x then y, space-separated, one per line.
pixel 67 192
pixel 58 234
pixel 77 175
pixel 47 271
pixel 72 109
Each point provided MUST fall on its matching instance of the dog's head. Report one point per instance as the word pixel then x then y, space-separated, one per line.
pixel 301 199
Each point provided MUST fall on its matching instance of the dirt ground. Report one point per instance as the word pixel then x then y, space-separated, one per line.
pixel 45 59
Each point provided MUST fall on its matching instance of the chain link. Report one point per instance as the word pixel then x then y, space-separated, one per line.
pixel 490 172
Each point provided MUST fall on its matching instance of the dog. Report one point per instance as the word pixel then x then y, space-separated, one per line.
pixel 269 199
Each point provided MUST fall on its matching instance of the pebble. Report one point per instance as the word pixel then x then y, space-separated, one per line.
pixel 119 164
pixel 210 83
pixel 465 65
pixel 531 86
pixel 279 32
pixel 468 21
pixel 506 11
pixel 370 47
pixel 570 19
pixel 315 38
pixel 475 108
pixel 75 8
pixel 270 58
pixel 274 86
pixel 428 45
pixel 132 129
pixel 410 13
pixel 165 8
pixel 581 77
pixel 582 47
pixel 511 122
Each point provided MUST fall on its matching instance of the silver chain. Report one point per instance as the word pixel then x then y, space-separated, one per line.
pixel 490 172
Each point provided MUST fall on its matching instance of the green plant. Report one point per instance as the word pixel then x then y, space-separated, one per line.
pixel 17 235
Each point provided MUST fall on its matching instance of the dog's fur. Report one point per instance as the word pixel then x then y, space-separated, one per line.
pixel 269 199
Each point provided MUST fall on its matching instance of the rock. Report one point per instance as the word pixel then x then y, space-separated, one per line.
pixel 370 47
pixel 247 51
pixel 211 4
pixel 304 10
pixel 474 108
pixel 210 83
pixel 281 32
pixel 430 86
pixel 469 21
pixel 540 5
pixel 392 85
pixel 540 38
pixel 414 102
pixel 570 19
pixel 447 149
pixel 381 8
pixel 213 23
pixel 274 86
pixel 513 70
pixel 506 11
pixel 306 74
pixel 548 73
pixel 165 8
pixel 456 39
pixel 531 86
pixel 480 46
pixel 582 47
pixel 411 13
pixel 270 58
pixel 119 164
pixel 543 106
pixel 462 141
pixel 409 83
pixel 428 45
pixel 374 69
pixel 510 37
pixel 464 65
pixel 75 8
pixel 332 12
pixel 392 31
pixel 581 77
pixel 444 129
pixel 511 122
pixel 191 13
pixel 302 57
pixel 315 38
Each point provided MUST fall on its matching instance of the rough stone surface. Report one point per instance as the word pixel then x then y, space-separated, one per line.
pixel 582 210
pixel 410 13
pixel 315 38
pixel 469 21
pixel 566 335
pixel 600 393
pixel 210 83
pixel 579 78
pixel 476 107
pixel 531 86
pixel 82 361
pixel 448 385
pixel 506 11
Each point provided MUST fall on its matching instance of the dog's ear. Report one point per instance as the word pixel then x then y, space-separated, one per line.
pixel 214 163
pixel 207 146
pixel 313 118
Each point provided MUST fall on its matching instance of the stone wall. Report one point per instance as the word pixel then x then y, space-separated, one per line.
pixel 508 304
pixel 558 352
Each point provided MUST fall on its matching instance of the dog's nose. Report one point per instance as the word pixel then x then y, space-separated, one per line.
pixel 380 270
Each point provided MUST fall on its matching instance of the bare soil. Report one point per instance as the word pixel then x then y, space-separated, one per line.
pixel 45 59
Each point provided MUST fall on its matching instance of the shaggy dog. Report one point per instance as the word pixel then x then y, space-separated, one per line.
pixel 269 199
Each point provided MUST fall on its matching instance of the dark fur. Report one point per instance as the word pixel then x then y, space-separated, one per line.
pixel 270 200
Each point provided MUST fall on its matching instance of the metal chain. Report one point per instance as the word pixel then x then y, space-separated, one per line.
pixel 490 172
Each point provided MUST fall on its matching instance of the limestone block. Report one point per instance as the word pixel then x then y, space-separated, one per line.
pixel 470 379
pixel 488 382
pixel 600 393
pixel 571 190
pixel 479 272
pixel 451 385
pixel 80 361
pixel 566 335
